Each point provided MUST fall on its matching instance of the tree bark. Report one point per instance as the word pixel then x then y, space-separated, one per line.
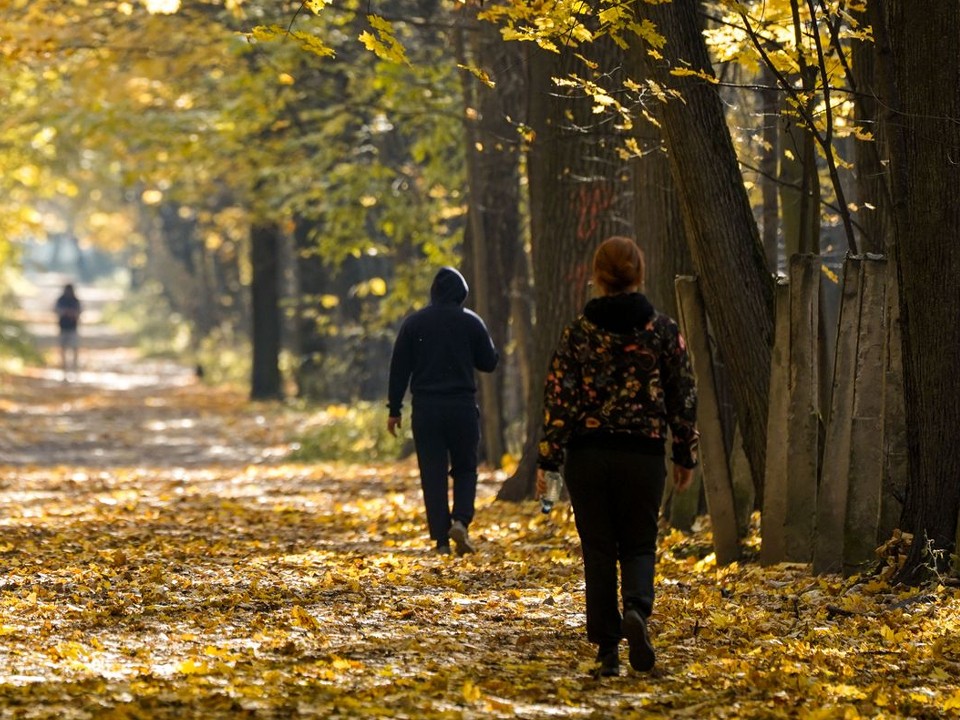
pixel 492 236
pixel 659 223
pixel 768 166
pixel 265 382
pixel 721 230
pixel 580 193
pixel 872 189
pixel 918 60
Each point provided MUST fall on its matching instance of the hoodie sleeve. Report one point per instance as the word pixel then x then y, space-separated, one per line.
pixel 680 393
pixel 401 366
pixel 561 404
pixel 485 355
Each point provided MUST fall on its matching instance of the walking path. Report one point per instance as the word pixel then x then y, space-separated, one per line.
pixel 119 409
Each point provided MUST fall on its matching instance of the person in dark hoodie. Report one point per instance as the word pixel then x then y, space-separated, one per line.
pixel 619 379
pixel 68 309
pixel 436 352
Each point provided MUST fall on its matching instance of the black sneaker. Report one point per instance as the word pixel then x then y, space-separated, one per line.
pixel 444 549
pixel 458 533
pixel 642 656
pixel 608 663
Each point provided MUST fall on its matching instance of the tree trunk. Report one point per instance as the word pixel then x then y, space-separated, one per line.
pixel 661 235
pixel 721 230
pixel 265 295
pixel 310 342
pixel 921 70
pixel 492 237
pixel 580 193
pixel 799 189
pixel 659 224
pixel 872 190
pixel 768 170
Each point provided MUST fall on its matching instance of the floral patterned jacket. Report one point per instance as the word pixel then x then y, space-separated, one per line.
pixel 621 368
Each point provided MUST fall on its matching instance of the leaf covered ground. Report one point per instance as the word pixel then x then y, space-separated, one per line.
pixel 161 558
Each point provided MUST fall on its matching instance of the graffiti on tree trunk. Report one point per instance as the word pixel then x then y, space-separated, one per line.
pixel 591 201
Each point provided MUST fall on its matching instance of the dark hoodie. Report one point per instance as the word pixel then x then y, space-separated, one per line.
pixel 620 374
pixel 439 347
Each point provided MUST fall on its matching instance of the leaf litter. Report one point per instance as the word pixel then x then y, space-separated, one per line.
pixel 162 559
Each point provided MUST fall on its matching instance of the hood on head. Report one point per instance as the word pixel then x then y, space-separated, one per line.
pixel 448 287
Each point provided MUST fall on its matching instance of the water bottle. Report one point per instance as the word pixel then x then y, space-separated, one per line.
pixel 550 496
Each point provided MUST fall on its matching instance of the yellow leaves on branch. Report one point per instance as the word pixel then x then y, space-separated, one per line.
pixel 690 72
pixel 383 41
pixel 308 42
pixel 479 73
pixel 546 24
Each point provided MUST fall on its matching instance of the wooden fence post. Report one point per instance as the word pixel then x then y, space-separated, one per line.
pixel 834 483
pixel 851 487
pixel 895 463
pixel 803 415
pixel 685 506
pixel 716 473
pixel 793 425
pixel 866 434
pixel 744 493
pixel 774 511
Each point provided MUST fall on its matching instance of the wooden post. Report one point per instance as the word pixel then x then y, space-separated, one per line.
pixel 774 511
pixel 744 493
pixel 803 414
pixel 832 500
pixel 895 463
pixel 685 506
pixel 866 433
pixel 716 475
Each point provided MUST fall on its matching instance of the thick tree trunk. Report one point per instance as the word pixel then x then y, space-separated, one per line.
pixel 660 232
pixel 493 237
pixel 921 70
pixel 721 230
pixel 659 223
pixel 265 380
pixel 580 193
pixel 310 343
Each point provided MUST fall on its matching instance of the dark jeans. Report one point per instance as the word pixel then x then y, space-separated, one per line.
pixel 616 495
pixel 447 439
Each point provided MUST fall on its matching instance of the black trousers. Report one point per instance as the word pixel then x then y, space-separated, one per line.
pixel 447 440
pixel 616 494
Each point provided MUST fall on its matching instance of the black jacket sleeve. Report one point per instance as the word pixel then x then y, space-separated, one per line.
pixel 485 355
pixel 401 366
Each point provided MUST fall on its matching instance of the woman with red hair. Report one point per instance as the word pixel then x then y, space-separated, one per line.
pixel 619 380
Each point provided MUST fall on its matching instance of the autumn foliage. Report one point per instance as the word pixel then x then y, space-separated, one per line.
pixel 163 559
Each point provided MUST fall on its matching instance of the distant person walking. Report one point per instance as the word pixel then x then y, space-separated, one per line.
pixel 435 354
pixel 68 311
pixel 619 378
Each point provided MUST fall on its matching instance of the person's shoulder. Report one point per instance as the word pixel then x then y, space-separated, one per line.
pixel 418 318
pixel 473 316
pixel 580 324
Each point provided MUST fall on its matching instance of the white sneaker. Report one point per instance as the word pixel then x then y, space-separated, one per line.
pixel 458 533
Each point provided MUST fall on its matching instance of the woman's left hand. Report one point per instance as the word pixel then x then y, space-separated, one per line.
pixel 682 477
pixel 541 482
